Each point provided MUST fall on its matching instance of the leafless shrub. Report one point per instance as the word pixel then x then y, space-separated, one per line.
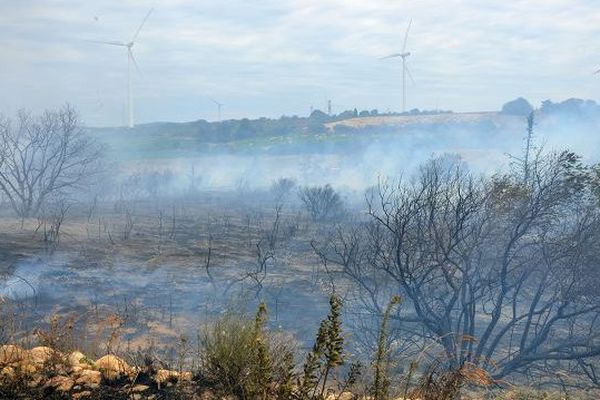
pixel 50 222
pixel 281 189
pixel 322 203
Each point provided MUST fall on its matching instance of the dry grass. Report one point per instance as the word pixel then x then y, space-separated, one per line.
pixel 409 120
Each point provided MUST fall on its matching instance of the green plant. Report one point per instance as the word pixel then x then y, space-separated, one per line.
pixel 241 358
pixel 286 376
pixel 260 378
pixel 381 383
pixel 326 355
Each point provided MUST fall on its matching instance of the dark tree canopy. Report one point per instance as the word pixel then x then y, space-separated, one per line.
pixel 519 106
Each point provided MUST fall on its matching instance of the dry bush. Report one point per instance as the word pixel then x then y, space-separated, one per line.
pixel 323 203
pixel 441 383
pixel 531 394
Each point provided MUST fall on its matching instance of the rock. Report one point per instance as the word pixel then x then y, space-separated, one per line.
pixel 76 370
pixel 164 375
pixel 112 367
pixel 345 396
pixel 35 382
pixel 8 372
pixel 10 354
pixel 78 359
pixel 89 378
pixel 60 383
pixel 41 355
pixel 186 376
pixel 29 368
pixel 81 395
pixel 139 388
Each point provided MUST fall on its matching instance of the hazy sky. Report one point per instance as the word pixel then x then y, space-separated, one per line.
pixel 274 57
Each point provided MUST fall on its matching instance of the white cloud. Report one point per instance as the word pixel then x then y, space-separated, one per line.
pixel 272 57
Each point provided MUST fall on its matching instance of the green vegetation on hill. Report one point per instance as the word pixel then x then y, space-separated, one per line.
pixel 318 132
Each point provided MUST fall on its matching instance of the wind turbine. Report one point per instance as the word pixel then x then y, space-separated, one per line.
pixel 219 107
pixel 130 61
pixel 404 55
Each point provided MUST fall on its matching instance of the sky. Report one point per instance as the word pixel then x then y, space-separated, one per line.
pixel 282 57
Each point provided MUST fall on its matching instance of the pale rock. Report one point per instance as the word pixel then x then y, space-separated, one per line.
pixel 139 388
pixel 81 395
pixel 29 368
pixel 164 375
pixel 60 383
pixel 8 372
pixel 89 378
pixel 112 367
pixel 35 382
pixel 78 359
pixel 41 355
pixel 345 396
pixel 76 370
pixel 186 376
pixel 10 354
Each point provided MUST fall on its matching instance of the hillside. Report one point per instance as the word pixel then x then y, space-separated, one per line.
pixel 415 120
pixel 288 135
pixel 352 134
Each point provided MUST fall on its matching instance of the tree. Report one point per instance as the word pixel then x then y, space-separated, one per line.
pixel 281 189
pixel 322 202
pixel 518 106
pixel 495 271
pixel 44 156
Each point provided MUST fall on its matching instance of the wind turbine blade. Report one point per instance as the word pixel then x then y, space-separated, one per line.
pixel 137 67
pixel 406 36
pixel 391 56
pixel 409 74
pixel 141 25
pixel 597 72
pixel 108 42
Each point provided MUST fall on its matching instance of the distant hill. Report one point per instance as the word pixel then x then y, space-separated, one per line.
pixel 318 132
pixel 404 121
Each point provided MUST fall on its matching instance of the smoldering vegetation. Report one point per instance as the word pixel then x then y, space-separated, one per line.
pixel 421 260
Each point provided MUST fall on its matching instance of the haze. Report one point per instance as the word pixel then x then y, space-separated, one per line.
pixel 300 200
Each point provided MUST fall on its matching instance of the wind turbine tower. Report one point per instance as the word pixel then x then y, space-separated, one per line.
pixel 219 107
pixel 130 61
pixel 405 71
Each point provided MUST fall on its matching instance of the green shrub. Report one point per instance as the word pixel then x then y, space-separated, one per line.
pixel 381 384
pixel 326 355
pixel 240 357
